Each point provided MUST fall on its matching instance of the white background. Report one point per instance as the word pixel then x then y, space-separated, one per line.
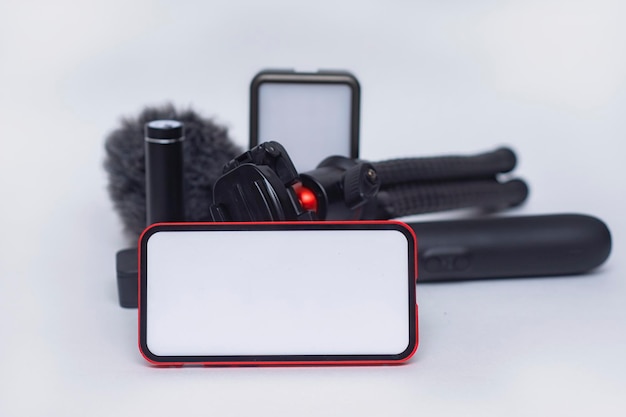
pixel 544 76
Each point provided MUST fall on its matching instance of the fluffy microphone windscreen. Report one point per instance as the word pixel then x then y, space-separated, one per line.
pixel 207 148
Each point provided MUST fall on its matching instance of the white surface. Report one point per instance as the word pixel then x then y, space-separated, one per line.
pixel 307 293
pixel 312 121
pixel 547 77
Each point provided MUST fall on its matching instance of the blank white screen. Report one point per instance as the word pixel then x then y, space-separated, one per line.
pixel 277 292
pixel 312 121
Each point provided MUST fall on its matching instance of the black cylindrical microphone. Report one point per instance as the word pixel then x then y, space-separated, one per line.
pixel 164 171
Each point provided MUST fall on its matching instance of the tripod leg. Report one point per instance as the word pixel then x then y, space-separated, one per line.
pixel 417 198
pixel 486 165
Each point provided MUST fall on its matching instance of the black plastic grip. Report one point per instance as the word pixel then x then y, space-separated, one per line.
pixel 483 165
pixel 126 268
pixel 560 244
pixel 406 199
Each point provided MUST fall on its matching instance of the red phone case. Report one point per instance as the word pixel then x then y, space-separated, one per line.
pixel 279 360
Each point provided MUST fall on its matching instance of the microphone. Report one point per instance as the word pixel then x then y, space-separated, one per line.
pixel 207 149
pixel 164 171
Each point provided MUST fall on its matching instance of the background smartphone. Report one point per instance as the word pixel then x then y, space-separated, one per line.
pixel 313 115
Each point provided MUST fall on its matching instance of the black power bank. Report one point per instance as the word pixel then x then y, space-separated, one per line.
pixel 529 246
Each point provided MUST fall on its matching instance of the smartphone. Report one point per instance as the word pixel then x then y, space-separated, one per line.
pixel 322 293
pixel 312 114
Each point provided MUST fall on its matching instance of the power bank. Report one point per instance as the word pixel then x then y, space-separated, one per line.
pixel 502 247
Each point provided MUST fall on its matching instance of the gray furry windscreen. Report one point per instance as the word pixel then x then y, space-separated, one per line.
pixel 207 148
